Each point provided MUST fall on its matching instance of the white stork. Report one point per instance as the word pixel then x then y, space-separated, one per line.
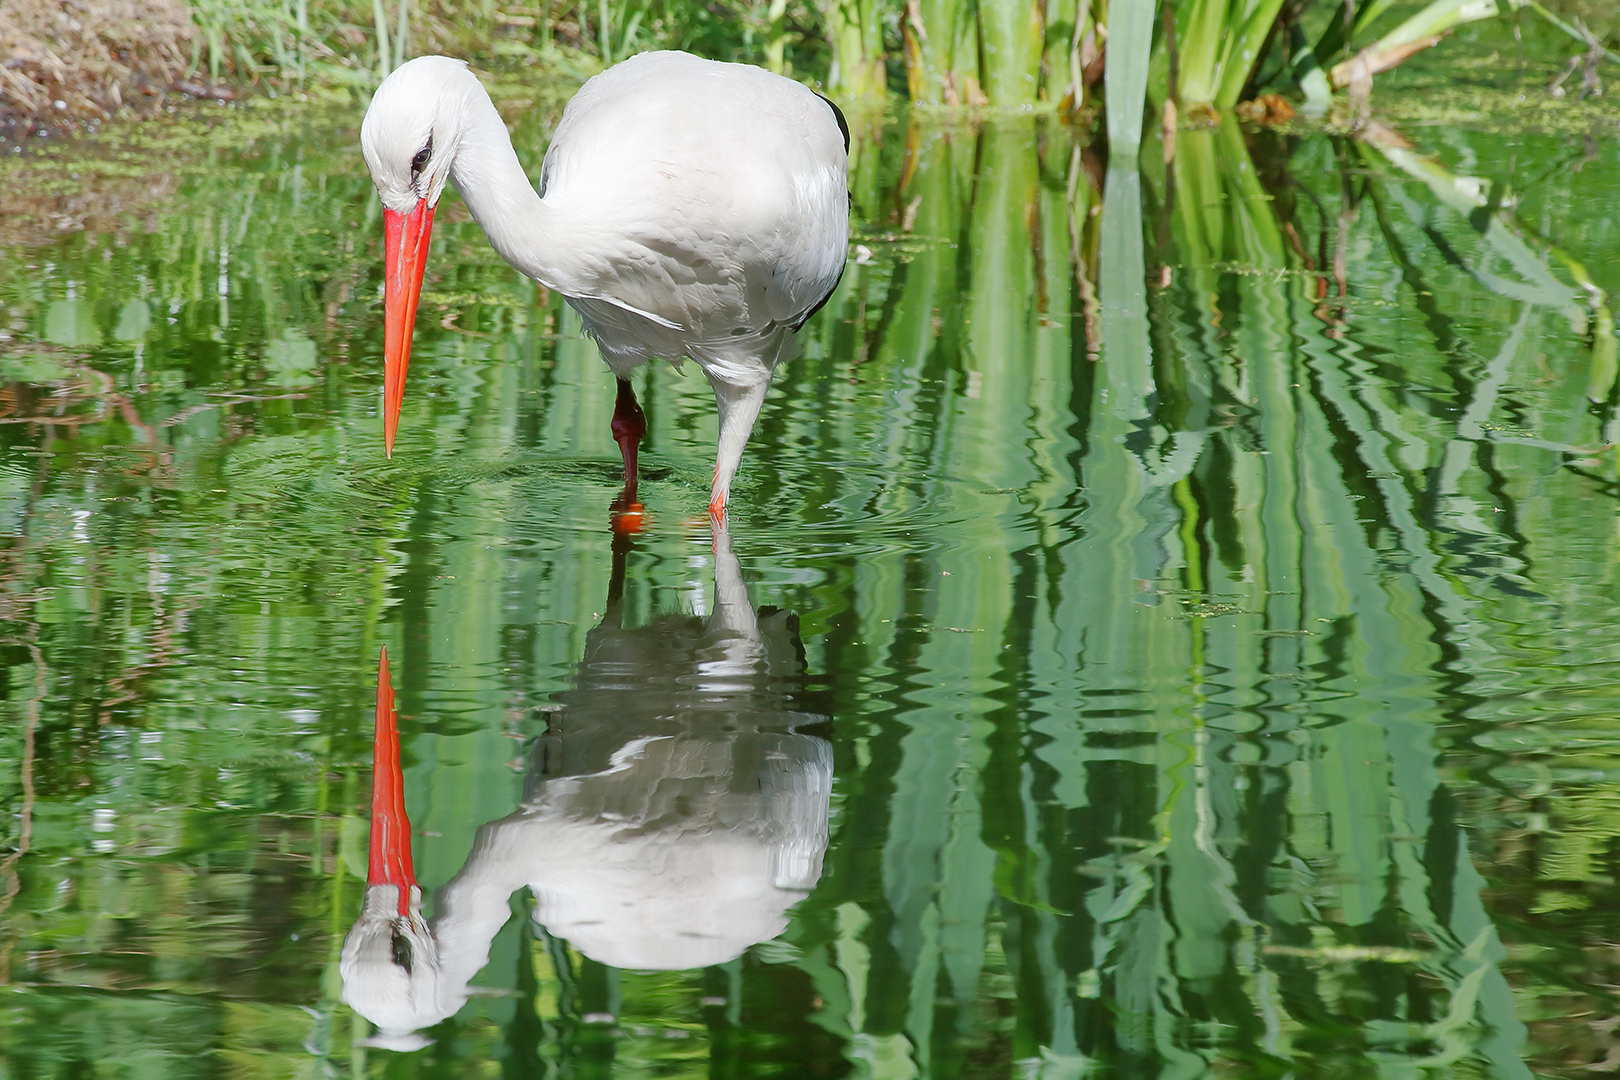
pixel 686 209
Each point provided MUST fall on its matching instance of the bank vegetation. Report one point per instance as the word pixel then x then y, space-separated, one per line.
pixel 1115 65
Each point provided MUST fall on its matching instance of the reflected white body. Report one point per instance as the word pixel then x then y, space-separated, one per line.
pixel 672 815
pixel 686 208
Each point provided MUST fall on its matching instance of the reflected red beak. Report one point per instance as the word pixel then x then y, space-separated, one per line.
pixel 390 861
pixel 405 240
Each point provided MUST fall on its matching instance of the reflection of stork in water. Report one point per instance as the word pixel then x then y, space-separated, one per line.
pixel 674 810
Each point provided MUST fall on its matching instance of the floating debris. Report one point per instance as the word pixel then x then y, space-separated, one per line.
pixel 1350 954
pixel 1270 109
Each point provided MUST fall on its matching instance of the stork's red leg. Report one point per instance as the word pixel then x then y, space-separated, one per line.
pixel 629 425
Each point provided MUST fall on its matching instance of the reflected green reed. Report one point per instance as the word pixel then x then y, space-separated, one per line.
pixel 1208 572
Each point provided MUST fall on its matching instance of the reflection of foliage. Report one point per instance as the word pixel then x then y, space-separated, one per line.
pixel 1203 565
pixel 1277 399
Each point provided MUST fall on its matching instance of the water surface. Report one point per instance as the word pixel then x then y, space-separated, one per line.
pixel 1192 588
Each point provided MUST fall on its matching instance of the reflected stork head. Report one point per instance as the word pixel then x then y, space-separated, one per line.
pixel 391 971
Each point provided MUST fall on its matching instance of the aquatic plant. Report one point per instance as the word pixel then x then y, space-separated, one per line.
pixel 356 42
pixel 1197 56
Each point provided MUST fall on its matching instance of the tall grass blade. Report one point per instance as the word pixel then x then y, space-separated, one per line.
pixel 1012 32
pixel 1060 60
pixel 1343 29
pixel 776 36
pixel 941 43
pixel 1365 17
pixel 402 30
pixel 380 17
pixel 1130 45
pixel 1201 31
pixel 1330 43
pixel 1342 32
pixel 855 32
pixel 1243 51
pixel 1308 74
pixel 627 40
pixel 303 38
pixel 1219 44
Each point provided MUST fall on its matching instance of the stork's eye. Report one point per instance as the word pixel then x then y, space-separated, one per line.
pixel 419 162
pixel 399 949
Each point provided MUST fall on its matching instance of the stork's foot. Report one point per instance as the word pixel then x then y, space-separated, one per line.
pixel 627 516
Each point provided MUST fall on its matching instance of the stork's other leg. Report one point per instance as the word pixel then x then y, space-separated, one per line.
pixel 629 425
pixel 739 408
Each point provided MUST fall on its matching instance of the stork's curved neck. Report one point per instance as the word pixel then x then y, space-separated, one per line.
pixel 505 204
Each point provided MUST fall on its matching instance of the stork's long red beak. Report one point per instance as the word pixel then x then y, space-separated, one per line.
pixel 390 861
pixel 405 239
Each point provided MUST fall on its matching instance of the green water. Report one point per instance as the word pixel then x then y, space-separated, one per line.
pixel 1182 605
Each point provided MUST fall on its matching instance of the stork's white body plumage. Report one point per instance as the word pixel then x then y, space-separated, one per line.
pixel 686 208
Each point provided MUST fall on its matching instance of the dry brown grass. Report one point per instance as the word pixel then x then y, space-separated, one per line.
pixel 75 60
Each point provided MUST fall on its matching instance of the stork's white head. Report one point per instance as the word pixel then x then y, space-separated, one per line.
pixel 413 128
pixel 410 137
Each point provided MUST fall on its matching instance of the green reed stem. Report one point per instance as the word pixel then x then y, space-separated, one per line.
pixel 380 17
pixel 776 40
pixel 1130 44
pixel 402 30
pixel 1012 32
pixel 1243 51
